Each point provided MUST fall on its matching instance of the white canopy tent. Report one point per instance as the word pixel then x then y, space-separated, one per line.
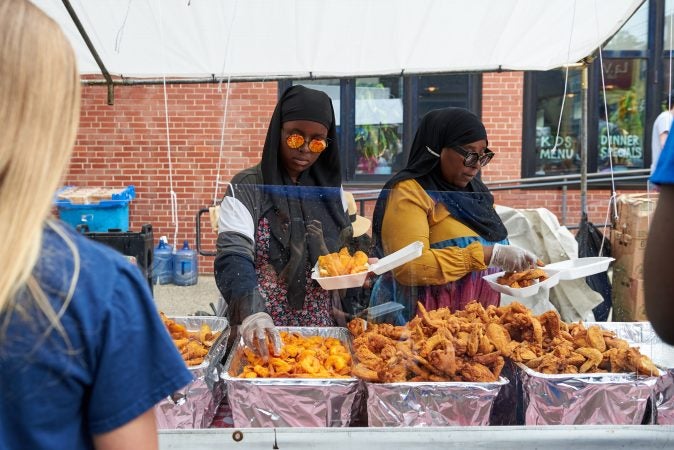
pixel 273 39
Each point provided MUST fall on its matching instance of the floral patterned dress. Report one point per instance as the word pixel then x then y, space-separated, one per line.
pixel 317 308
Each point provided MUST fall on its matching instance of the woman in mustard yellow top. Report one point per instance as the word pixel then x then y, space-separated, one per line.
pixel 438 200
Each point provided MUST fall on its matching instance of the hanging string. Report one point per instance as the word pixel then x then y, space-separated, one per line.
pixel 222 142
pixel 120 31
pixel 174 196
pixel 224 114
pixel 566 78
pixel 614 196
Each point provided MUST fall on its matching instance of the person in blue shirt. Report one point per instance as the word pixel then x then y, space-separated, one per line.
pixel 84 355
pixel 658 280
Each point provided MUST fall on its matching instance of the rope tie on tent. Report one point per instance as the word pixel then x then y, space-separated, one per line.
pixel 224 115
pixel 120 31
pixel 174 196
pixel 613 199
pixel 566 78
pixel 222 141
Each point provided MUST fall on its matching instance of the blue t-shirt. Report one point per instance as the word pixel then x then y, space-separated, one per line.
pixel 117 363
pixel 664 171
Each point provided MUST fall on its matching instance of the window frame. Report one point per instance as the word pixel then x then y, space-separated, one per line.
pixel 653 55
pixel 411 118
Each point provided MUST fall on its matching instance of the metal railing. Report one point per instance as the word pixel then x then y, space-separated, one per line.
pixel 561 182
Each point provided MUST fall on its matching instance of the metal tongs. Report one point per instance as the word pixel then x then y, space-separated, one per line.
pixel 374 312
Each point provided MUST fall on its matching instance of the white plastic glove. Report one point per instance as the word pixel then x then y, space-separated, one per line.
pixel 255 329
pixel 511 258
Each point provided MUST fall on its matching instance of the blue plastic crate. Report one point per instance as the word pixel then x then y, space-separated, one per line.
pixel 103 216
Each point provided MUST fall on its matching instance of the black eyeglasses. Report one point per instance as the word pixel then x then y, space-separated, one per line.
pixel 472 158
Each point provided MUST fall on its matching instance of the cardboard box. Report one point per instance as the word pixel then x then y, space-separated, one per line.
pixel 631 265
pixel 628 253
pixel 628 298
pixel 635 212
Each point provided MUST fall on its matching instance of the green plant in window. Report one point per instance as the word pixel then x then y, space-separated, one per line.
pixel 628 115
pixel 372 141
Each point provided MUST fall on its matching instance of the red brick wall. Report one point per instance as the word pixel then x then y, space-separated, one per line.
pixel 125 144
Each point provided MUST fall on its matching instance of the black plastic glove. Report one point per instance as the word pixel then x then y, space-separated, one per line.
pixel 511 258
pixel 315 239
pixel 258 329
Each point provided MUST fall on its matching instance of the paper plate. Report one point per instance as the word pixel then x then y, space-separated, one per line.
pixel 553 279
pixel 572 269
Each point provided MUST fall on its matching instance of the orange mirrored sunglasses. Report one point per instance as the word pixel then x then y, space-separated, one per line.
pixel 296 141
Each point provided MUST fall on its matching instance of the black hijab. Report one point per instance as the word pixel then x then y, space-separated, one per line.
pixel 472 205
pixel 315 196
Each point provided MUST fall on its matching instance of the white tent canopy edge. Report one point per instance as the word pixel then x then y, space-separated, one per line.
pixel 274 39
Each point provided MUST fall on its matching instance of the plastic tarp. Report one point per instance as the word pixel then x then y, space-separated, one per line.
pixel 331 38
pixel 539 231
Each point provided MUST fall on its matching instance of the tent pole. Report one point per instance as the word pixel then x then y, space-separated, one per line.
pixel 584 139
pixel 92 49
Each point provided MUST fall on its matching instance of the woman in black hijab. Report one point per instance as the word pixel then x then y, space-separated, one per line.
pixel 278 217
pixel 438 199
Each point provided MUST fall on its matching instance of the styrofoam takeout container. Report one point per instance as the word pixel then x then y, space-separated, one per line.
pixel 572 269
pixel 395 259
pixel 553 279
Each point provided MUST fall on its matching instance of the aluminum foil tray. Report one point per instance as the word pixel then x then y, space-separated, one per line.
pixel 604 398
pixel 431 404
pixel 292 402
pixel 195 405
pixel 642 335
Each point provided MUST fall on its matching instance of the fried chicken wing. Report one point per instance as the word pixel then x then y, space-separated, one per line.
pixel 522 279
pixel 470 345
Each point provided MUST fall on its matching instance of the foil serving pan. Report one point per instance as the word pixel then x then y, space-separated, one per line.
pixel 195 405
pixel 642 335
pixel 599 398
pixel 292 402
pixel 431 404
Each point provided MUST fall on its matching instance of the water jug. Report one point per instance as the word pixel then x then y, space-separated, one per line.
pixel 162 264
pixel 185 270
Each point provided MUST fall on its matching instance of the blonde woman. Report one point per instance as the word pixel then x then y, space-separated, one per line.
pixel 83 354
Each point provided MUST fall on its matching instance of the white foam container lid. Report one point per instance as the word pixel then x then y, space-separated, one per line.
pixel 572 269
pixel 553 279
pixel 395 259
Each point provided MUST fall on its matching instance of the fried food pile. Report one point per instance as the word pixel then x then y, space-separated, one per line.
pixel 522 279
pixel 548 345
pixel 434 346
pixel 301 357
pixel 192 345
pixel 342 263
pixel 470 345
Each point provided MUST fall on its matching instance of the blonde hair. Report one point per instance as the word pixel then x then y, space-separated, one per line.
pixel 39 115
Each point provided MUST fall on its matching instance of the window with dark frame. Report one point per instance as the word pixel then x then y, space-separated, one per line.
pixel 378 116
pixel 631 71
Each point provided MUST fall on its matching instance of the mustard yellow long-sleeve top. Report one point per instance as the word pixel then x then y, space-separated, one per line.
pixel 451 249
